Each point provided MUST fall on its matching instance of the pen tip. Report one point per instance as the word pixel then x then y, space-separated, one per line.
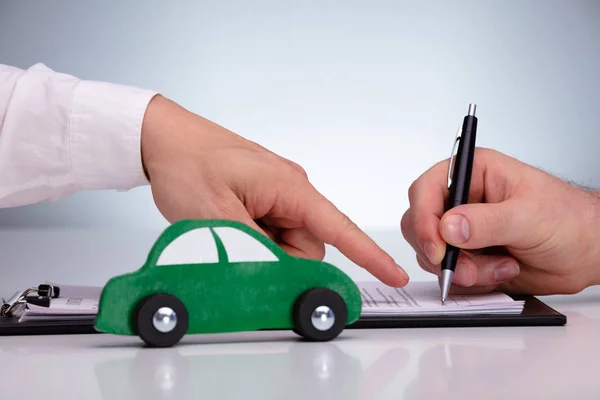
pixel 446 275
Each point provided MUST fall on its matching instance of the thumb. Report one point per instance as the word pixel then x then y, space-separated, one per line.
pixel 475 226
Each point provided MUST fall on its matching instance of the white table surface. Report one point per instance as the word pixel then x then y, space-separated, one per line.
pixel 456 363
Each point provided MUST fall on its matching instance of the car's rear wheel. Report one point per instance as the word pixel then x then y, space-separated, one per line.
pixel 161 320
pixel 320 314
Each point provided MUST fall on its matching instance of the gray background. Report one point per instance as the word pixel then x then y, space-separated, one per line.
pixel 365 95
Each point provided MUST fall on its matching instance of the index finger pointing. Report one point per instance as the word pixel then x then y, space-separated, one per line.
pixel 333 227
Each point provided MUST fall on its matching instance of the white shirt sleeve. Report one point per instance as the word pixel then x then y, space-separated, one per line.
pixel 60 134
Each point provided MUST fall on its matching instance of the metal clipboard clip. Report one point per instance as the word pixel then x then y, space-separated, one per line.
pixel 453 155
pixel 39 296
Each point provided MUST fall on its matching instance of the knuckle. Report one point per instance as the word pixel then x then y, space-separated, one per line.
pixel 291 168
pixel 347 227
pixel 347 223
pixel 300 169
pixel 370 262
pixel 405 227
pixel 412 191
pixel 293 171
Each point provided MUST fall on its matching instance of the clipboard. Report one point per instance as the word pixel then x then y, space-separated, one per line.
pixel 41 296
pixel 535 313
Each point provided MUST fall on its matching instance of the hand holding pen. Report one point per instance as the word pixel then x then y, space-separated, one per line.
pixel 460 170
pixel 523 231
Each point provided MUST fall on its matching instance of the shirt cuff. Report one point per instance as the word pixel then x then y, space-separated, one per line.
pixel 105 135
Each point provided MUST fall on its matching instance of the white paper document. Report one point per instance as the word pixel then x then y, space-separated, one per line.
pixel 423 298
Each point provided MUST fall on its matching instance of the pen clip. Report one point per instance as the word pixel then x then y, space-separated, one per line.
pixel 452 156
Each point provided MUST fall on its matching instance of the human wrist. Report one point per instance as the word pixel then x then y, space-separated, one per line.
pixel 162 128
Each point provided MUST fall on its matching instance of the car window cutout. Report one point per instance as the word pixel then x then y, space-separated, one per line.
pixel 193 247
pixel 241 247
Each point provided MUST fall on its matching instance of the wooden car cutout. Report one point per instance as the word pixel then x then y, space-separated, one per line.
pixel 217 276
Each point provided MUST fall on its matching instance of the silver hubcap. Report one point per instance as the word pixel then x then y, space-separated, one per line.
pixel 322 318
pixel 164 319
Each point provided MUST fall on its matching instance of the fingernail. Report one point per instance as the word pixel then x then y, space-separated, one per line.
pixel 506 271
pixel 403 272
pixel 429 249
pixel 456 229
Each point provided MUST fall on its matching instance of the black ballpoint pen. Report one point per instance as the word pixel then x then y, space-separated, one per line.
pixel 459 182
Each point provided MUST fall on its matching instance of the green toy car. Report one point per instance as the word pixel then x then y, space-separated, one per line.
pixel 217 276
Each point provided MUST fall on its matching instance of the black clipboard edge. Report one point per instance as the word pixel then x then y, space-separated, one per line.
pixel 32 328
pixel 535 313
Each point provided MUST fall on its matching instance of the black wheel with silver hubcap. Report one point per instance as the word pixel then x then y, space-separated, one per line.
pixel 320 314
pixel 161 320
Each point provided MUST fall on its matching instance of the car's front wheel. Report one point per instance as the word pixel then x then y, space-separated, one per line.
pixel 320 314
pixel 161 320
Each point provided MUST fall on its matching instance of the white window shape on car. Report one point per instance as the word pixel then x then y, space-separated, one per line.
pixel 196 246
pixel 241 247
